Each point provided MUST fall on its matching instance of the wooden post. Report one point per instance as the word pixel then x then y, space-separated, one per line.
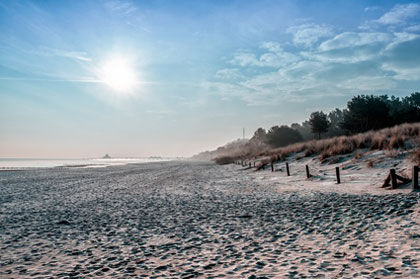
pixel 287 169
pixel 249 164
pixel 393 178
pixel 337 173
pixel 254 164
pixel 272 167
pixel 415 178
pixel 308 175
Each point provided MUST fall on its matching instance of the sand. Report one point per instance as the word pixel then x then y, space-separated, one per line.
pixel 200 220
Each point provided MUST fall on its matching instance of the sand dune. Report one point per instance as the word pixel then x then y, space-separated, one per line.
pixel 200 220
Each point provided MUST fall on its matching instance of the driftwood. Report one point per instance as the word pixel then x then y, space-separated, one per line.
pixel 394 180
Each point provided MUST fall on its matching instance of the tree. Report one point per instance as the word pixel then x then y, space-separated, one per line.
pixel 411 106
pixel 366 112
pixel 260 136
pixel 304 129
pixel 319 123
pixel 282 136
pixel 336 118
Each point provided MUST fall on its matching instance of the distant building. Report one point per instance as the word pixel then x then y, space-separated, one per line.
pixel 106 156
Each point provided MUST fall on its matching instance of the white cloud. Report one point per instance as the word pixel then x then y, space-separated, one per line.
pixel 409 74
pixel 228 74
pixel 371 8
pixel 309 34
pixel 276 57
pixel 401 37
pixel 413 28
pixel 347 63
pixel 352 39
pixel 400 14
pixel 244 59
pixel 77 55
pixel 272 46
pixel 82 56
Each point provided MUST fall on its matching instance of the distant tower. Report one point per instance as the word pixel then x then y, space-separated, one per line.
pixel 243 133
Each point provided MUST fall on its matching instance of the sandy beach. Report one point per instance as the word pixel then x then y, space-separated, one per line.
pixel 201 220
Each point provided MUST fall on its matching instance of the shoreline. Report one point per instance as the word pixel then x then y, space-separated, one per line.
pixel 33 164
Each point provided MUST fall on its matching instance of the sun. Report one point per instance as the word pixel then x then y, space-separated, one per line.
pixel 119 75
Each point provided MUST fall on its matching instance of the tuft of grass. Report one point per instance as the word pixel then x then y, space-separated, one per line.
pixel 397 141
pixel 358 155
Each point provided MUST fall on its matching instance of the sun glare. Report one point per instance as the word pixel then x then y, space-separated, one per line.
pixel 119 75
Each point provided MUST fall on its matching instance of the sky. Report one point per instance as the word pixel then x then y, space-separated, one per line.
pixel 79 79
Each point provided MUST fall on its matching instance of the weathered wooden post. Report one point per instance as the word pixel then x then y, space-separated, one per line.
pixel 308 175
pixel 272 166
pixel 249 164
pixel 393 178
pixel 287 169
pixel 337 173
pixel 415 178
pixel 254 164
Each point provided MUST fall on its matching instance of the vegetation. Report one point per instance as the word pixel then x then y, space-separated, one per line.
pixel 282 136
pixel 319 123
pixel 362 124
pixel 363 113
pixel 386 139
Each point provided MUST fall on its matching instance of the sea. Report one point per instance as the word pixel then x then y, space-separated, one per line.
pixel 18 164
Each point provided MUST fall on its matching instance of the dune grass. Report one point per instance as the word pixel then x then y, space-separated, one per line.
pixel 404 136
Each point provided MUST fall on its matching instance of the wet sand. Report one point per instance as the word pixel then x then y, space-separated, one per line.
pixel 198 220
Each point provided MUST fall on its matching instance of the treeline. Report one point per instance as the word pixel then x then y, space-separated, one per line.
pixel 363 113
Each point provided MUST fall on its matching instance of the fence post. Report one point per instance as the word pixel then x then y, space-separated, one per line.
pixel 249 164
pixel 337 173
pixel 272 167
pixel 308 175
pixel 393 179
pixel 415 178
pixel 254 164
pixel 287 169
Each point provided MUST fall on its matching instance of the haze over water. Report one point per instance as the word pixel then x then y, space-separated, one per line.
pixel 18 164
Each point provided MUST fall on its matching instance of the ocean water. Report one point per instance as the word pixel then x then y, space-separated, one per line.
pixel 12 164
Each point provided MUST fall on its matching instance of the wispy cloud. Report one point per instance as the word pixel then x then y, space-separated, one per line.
pixel 371 8
pixel 48 51
pixel 327 64
pixel 308 34
pixel 274 57
pixel 413 28
pixel 400 14
pixel 121 7
pixel 353 39
pixel 229 74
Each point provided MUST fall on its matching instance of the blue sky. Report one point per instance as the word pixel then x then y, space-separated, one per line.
pixel 199 70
